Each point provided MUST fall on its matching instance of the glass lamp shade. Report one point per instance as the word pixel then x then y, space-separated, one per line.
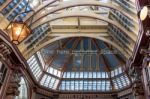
pixel 149 64
pixel 18 31
pixel 144 13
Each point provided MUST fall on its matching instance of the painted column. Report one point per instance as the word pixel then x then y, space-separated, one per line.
pixel 12 89
pixel 146 72
pixel 115 96
pixel 137 88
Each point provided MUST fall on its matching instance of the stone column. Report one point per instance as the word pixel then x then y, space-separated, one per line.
pixel 145 71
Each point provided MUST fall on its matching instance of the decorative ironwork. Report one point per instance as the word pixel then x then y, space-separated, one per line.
pixel 3 71
pixel 138 85
pixel 4 51
pixel 13 85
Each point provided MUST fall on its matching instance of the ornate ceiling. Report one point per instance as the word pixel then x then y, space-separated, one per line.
pixel 63 31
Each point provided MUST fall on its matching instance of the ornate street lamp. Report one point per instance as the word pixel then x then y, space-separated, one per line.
pixel 18 31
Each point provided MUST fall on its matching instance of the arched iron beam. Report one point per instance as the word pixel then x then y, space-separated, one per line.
pixel 85 14
pixel 104 59
pixel 27 54
pixel 40 8
pixel 69 4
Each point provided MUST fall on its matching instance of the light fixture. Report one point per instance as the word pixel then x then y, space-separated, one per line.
pixel 34 3
pixel 18 31
pixel 149 64
pixel 144 13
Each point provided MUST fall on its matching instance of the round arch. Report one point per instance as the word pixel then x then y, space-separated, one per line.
pixel 29 53
pixel 83 14
pixel 70 4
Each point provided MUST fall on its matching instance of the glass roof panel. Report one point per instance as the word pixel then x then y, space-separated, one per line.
pixel 78 70
pixel 85 71
pixel 34 66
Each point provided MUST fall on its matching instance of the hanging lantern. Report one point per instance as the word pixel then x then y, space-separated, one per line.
pixel 144 13
pixel 18 31
pixel 149 64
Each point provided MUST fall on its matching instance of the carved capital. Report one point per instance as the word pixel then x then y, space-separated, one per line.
pixel 138 85
pixel 145 52
pixel 138 89
pixel 14 84
pixel 148 31
pixel 135 72
pixel 4 51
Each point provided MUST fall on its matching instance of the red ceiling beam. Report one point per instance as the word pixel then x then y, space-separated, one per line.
pixel 106 64
pixel 51 59
pixel 68 60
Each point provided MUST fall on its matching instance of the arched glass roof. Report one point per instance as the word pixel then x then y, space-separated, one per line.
pixel 80 64
pixel 81 46
pixel 76 45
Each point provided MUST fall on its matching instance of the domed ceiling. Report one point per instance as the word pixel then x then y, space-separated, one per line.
pixel 77 45
pixel 80 64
